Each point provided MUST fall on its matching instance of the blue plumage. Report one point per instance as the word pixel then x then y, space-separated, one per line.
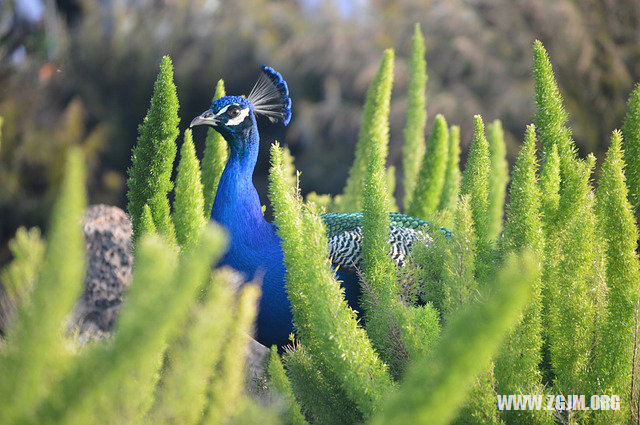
pixel 254 245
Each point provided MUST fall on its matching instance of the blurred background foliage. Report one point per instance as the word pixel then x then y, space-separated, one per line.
pixel 80 72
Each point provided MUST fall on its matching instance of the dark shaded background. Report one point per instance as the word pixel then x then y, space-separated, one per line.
pixel 81 73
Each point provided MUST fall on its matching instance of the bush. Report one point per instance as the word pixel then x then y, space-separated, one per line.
pixel 544 300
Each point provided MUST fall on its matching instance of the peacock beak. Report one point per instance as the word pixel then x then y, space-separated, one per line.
pixel 206 118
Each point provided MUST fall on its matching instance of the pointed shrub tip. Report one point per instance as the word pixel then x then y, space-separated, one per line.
pixel 539 52
pixel 220 90
pixel 417 30
pixel 478 124
pixel 631 131
pixel 166 62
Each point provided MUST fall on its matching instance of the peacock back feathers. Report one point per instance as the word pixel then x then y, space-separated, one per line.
pixel 344 231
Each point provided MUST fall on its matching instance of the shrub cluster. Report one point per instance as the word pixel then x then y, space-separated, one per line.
pixel 538 297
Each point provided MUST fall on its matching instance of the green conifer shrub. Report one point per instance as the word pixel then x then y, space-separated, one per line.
pixel 414 143
pixel 550 307
pixel 181 396
pixel 550 187
pixel 321 401
pixel 498 178
pixel 381 293
pixel 215 157
pixel 34 354
pixel 572 275
pixel 631 131
pixel 517 362
pixel 394 329
pixel 459 285
pixel 158 302
pixel 616 225
pixel 20 276
pixel 452 177
pixel 281 386
pixel 323 321
pixel 323 201
pixel 146 223
pixel 428 188
pixel 435 387
pixel 374 128
pixel 570 283
pixel 551 117
pixel 475 182
pixel 189 201
pixel 152 159
pixel 390 180
pixel 225 392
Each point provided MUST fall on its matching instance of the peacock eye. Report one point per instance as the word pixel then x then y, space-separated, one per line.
pixel 233 112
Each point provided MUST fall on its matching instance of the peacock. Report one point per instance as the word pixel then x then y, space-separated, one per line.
pixel 255 246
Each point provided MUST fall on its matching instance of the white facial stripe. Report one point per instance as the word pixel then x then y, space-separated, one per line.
pixel 223 110
pixel 237 120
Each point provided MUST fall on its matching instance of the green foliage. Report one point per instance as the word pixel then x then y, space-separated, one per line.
pixel 435 387
pixel 551 117
pixel 550 187
pixel 191 357
pixel 289 167
pixel 19 277
pixel 374 130
pixel 428 189
pixel 321 400
pixel 390 181
pixel 459 284
pixel 323 321
pixel 480 407
pixel 523 228
pixel 429 265
pixel 475 182
pixel 250 412
pixel 281 386
pixel 322 201
pixel 1 123
pixel 158 302
pixel 553 310
pixel 226 385
pixel 116 381
pixel 75 398
pixel 35 354
pixel 146 223
pixel 446 268
pixel 215 157
pixel 452 177
pixel 616 225
pixel 571 280
pixel 152 160
pixel 380 296
pixel 498 177
pixel 188 206
pixel 414 143
pixel 460 288
pixel 573 254
pixel 631 131
pixel 517 363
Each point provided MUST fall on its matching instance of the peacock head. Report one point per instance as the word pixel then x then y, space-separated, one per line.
pixel 234 116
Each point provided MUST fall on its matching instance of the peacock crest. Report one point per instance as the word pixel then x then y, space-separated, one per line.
pixel 270 96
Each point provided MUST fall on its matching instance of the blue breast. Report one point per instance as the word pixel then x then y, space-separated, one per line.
pixel 263 260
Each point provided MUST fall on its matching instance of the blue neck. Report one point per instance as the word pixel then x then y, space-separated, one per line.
pixel 237 205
